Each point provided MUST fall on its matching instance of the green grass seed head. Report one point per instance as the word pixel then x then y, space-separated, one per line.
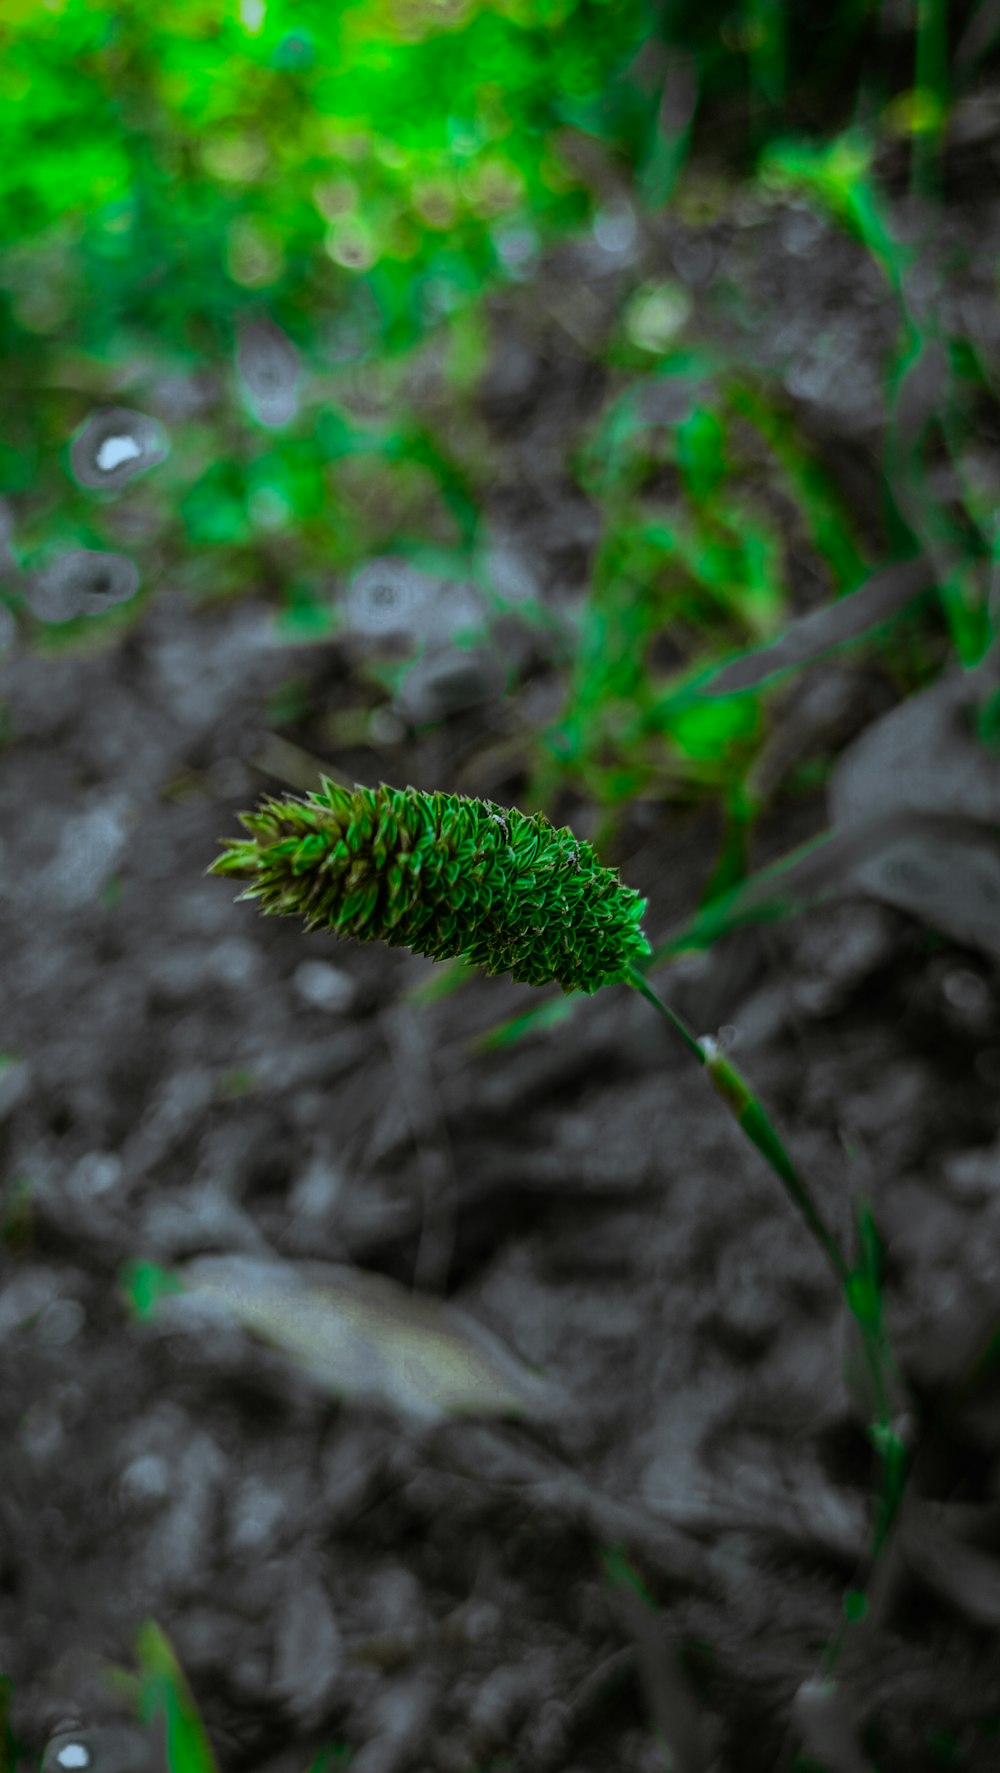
pixel 446 875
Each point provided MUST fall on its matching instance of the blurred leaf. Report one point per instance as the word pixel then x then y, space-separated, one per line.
pixel 814 636
pixel 828 516
pixel 443 978
pixel 949 879
pixel 824 868
pixel 331 1760
pixel 837 173
pixel 701 454
pixel 827 1728
pixel 144 1284
pixel 166 1698
pixel 671 1703
pixel 709 731
pixel 214 509
pixel 362 1335
pixel 668 138
pixel 925 758
pixel 534 1021
pixel 924 755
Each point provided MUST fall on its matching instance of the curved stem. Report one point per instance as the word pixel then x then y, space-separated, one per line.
pixel 749 1113
pixel 638 980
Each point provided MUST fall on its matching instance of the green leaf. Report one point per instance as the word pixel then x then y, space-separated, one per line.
pixel 865 1301
pixel 701 440
pixel 144 1284
pixel 166 1698
pixel 533 1021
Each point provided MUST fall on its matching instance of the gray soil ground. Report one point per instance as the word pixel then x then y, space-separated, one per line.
pixel 195 1081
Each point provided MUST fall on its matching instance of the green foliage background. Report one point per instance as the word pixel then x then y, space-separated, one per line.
pixel 353 183
pixel 361 177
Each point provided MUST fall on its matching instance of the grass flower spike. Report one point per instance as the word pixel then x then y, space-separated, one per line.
pixel 453 877
pixel 445 875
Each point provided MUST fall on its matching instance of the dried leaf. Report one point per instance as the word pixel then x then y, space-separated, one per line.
pixel 824 868
pixel 362 1335
pixel 950 880
pixel 836 624
pixel 923 757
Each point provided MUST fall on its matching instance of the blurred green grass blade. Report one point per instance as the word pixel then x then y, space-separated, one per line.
pixel 669 140
pixel 923 400
pixel 806 877
pixel 828 865
pixel 701 450
pixel 731 863
pixel 671 1703
pixel 444 978
pixel 864 1286
pixel 710 731
pixel 620 1572
pixel 767 51
pixel 829 520
pixel 414 442
pixel 930 95
pixel 144 1284
pixel 534 1021
pixel 967 613
pixel 165 1696
pixel 837 173
pixel 603 462
pixel 334 1759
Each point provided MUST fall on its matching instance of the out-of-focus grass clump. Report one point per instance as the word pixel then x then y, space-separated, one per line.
pixel 236 241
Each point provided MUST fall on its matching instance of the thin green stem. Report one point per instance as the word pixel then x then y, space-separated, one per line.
pixel 855 1286
pixel 637 979
pixel 930 83
pixel 865 1307
pixel 749 1113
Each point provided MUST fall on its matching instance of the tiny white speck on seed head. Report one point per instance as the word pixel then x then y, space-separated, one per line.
pixel 74 1754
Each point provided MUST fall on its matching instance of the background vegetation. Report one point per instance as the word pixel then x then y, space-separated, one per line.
pixel 265 275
